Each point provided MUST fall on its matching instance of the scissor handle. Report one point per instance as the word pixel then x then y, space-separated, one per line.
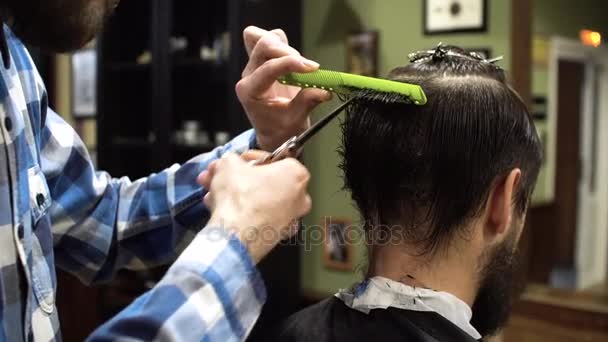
pixel 288 149
pixel 293 146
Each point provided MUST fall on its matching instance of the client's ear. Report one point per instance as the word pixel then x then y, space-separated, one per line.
pixel 499 206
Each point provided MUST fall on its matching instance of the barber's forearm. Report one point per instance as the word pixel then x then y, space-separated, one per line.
pixel 212 291
pixel 119 223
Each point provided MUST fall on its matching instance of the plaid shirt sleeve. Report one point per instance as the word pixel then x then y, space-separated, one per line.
pixel 213 292
pixel 102 224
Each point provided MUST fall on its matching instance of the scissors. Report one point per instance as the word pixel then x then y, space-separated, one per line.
pixel 293 146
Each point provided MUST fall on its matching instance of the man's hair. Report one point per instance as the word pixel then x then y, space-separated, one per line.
pixel 424 171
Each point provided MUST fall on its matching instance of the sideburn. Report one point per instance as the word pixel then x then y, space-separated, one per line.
pixel 501 283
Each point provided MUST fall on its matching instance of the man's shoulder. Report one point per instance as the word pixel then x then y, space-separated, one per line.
pixel 20 55
pixel 22 76
pixel 314 313
pixel 332 320
pixel 308 323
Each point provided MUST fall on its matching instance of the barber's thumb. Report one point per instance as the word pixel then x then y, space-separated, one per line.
pixel 253 155
pixel 208 200
pixel 308 99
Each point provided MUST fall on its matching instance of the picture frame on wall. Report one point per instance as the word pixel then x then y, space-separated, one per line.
pixel 338 244
pixel 442 16
pixel 84 82
pixel 362 53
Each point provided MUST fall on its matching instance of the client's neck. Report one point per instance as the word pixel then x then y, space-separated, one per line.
pixel 450 272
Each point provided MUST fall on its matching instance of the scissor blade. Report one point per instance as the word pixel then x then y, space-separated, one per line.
pixel 317 126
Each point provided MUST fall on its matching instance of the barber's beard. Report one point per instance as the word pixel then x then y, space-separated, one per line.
pixel 57 25
pixel 501 283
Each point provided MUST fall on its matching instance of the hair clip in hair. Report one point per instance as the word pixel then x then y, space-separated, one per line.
pixel 494 60
pixel 477 56
pixel 418 56
pixel 440 52
pixel 436 54
pixel 482 58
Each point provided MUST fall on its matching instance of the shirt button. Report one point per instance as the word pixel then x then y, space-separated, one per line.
pixel 8 123
pixel 20 231
pixel 40 199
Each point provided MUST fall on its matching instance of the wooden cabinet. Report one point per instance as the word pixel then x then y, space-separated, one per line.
pixel 549 314
pixel 164 65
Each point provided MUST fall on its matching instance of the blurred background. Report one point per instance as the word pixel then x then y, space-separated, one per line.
pixel 157 87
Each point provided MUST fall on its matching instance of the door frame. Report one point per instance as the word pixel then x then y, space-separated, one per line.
pixel 591 245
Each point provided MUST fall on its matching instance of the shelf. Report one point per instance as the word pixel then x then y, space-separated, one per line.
pixel 220 69
pixel 197 62
pixel 177 85
pixel 201 148
pixel 201 73
pixel 183 153
pixel 126 66
pixel 130 142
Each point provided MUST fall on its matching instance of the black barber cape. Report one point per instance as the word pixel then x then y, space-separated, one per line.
pixel 332 321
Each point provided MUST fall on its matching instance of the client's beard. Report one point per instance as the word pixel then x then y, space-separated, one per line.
pixel 501 283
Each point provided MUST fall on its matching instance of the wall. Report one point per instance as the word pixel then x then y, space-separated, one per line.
pixel 87 128
pixel 399 22
pixel 567 17
pixel 62 87
pixel 564 18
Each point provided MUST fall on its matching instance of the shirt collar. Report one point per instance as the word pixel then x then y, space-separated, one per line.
pixel 6 55
pixel 381 293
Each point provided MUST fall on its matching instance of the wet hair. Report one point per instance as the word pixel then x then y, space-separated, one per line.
pixel 426 170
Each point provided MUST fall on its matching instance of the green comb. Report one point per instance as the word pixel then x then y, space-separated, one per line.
pixel 345 84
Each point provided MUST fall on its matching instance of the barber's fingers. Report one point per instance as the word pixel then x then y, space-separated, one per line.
pixel 307 100
pixel 205 177
pixel 208 200
pixel 222 165
pixel 230 163
pixel 254 155
pixel 252 34
pixel 255 85
pixel 281 34
pixel 219 173
pixel 270 46
pixel 306 205
pixel 303 209
pixel 291 171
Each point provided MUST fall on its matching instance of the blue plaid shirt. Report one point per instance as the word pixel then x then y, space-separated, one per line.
pixel 55 209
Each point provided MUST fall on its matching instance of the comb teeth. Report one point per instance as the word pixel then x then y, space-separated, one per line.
pixel 383 97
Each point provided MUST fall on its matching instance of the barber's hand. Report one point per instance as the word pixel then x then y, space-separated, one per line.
pixel 259 203
pixel 276 111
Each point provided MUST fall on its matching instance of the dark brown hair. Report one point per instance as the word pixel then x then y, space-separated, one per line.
pixel 428 169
